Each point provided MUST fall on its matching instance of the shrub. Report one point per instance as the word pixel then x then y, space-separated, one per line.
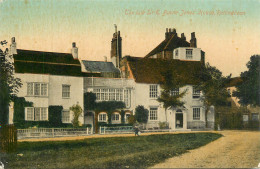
pixel 131 119
pixel 77 111
pixel 163 125
pixel 55 119
pixel 141 114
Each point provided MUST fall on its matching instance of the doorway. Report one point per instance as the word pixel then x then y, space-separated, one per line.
pixel 179 120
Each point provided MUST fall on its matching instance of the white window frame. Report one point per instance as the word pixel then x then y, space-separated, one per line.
pixel 175 92
pixel 32 89
pixel 116 117
pixel 196 113
pixel 42 114
pixel 65 94
pixel 153 91
pixel 255 117
pixel 113 94
pixel 176 53
pixel 65 116
pixel 195 93
pixel 127 118
pixel 127 97
pixel 189 53
pixel 101 117
pixel 31 112
pixel 153 114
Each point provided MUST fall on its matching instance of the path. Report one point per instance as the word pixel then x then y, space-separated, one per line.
pixel 237 149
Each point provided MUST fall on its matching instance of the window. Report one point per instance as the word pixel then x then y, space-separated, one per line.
pixel 153 113
pixel 196 113
pixel 102 117
pixel 37 89
pixel 174 92
pixel 195 93
pixel 66 116
pixel 29 114
pixel 127 97
pixel 65 91
pixel 115 117
pixel 188 53
pixel 255 117
pixel 113 95
pixel 245 118
pixel 153 91
pixel 36 113
pixel 176 53
pixel 127 115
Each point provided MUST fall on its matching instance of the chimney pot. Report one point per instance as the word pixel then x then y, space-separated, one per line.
pixel 192 35
pixel 166 29
pixel 74 51
pixel 13 49
pixel 74 44
pixel 174 30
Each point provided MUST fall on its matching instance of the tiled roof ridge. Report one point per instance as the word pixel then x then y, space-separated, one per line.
pixel 44 51
pixel 155 48
pixel 53 63
pixel 173 35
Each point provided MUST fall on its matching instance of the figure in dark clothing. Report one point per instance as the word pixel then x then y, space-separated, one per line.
pixel 136 131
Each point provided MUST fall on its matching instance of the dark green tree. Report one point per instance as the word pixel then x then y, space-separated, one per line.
pixel 141 114
pixel 171 81
pixel 213 87
pixel 9 85
pixel 89 101
pixel 248 91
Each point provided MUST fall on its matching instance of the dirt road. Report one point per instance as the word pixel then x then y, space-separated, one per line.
pixel 237 149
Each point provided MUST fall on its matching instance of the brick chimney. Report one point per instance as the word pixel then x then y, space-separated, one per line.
pixel 168 34
pixel 13 49
pixel 183 36
pixel 116 49
pixel 193 40
pixel 74 51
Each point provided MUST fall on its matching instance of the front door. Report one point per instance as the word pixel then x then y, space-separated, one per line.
pixel 179 120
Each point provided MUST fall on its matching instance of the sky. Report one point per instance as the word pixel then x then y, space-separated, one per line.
pixel 228 31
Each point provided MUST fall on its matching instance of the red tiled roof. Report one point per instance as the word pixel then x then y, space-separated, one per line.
pixel 169 44
pixel 149 70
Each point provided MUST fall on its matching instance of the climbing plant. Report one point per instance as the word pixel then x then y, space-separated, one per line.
pixel 77 111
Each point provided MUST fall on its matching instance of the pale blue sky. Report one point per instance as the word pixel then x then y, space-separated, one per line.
pixel 51 25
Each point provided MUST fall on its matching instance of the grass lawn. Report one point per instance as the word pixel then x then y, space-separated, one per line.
pixel 116 152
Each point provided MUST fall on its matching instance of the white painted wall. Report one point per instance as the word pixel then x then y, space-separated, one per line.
pixel 196 53
pixel 54 91
pixel 142 98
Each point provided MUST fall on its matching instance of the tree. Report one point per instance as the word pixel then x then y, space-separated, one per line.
pixel 9 85
pixel 248 91
pixel 89 101
pixel 171 81
pixel 212 84
pixel 77 111
pixel 141 114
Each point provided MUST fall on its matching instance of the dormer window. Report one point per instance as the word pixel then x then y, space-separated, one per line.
pixel 176 53
pixel 188 53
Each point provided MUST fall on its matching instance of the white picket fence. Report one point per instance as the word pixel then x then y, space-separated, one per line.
pixel 52 132
pixel 115 130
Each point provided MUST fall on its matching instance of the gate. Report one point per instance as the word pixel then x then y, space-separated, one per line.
pixel 8 138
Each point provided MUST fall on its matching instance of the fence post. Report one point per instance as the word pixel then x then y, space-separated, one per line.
pixel 87 130
pixel 52 132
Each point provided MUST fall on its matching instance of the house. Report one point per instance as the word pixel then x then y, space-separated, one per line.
pixel 166 49
pixel 251 113
pixel 108 85
pixel 49 79
pixel 147 75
